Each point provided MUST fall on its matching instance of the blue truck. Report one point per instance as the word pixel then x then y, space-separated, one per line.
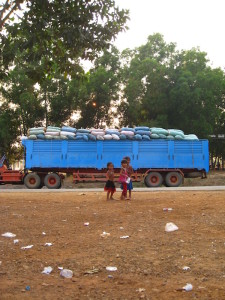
pixel 156 162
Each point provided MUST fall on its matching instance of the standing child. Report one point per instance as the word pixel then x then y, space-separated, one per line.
pixel 110 186
pixel 130 171
pixel 123 178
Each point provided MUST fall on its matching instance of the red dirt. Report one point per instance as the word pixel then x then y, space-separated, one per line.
pixel 149 259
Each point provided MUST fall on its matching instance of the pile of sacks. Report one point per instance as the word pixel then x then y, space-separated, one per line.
pixel 141 133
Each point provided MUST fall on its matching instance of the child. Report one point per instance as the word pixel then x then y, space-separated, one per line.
pixel 123 177
pixel 130 171
pixel 110 186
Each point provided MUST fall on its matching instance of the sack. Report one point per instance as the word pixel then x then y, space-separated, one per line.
pixel 67 133
pixel 100 137
pixel 55 133
pixel 156 130
pixel 162 136
pixel 154 136
pixel 127 129
pixel 92 137
pixel 138 137
pixel 122 137
pixel 146 137
pixel 112 132
pixel 190 137
pixel 143 132
pixel 94 132
pixel 107 137
pixel 170 137
pixel 68 129
pixel 127 132
pixel 175 132
pixel 143 128
pixel 115 137
pixel 81 130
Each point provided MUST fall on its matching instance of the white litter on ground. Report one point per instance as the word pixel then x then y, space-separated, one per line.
pixel 167 209
pixel 15 241
pixel 48 244
pixel 140 290
pixel 47 270
pixel 111 269
pixel 124 237
pixel 9 234
pixel 66 273
pixel 105 234
pixel 188 287
pixel 170 227
pixel 186 268
pixel 27 247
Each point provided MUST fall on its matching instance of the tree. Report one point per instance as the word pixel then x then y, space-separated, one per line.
pixel 173 89
pixel 57 34
pixel 8 9
pixel 196 93
pixel 19 92
pixel 9 125
pixel 60 98
pixel 40 58
pixel 101 91
pixel 146 84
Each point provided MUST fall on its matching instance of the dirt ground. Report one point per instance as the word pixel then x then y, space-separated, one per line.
pixel 149 262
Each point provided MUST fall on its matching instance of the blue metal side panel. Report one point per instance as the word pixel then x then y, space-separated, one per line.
pixel 81 154
pixel 191 154
pixel 114 151
pixel 43 154
pixel 144 154
pixel 153 154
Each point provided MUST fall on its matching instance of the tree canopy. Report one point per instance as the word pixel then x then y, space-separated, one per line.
pixel 43 45
pixel 43 81
pixel 173 89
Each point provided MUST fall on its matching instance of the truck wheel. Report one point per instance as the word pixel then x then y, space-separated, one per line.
pixel 173 179
pixel 52 181
pixel 153 179
pixel 32 181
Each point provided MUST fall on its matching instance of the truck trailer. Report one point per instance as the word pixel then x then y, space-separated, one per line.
pixel 156 162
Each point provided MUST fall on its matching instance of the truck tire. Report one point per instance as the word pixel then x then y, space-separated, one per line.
pixel 52 181
pixel 173 179
pixel 153 179
pixel 32 181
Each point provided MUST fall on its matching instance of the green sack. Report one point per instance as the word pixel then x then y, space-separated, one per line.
pixel 170 137
pixel 154 136
pixel 159 131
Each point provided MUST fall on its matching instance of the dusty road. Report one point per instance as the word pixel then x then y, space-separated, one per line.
pixel 149 262
pixel 138 189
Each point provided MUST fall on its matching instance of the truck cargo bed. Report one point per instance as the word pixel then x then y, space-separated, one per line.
pixel 166 154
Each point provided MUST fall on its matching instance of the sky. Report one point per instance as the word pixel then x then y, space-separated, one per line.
pixel 188 23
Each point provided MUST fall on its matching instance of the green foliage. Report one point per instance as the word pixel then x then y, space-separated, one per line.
pixel 19 92
pixel 101 91
pixel 171 89
pixel 56 34
pixel 9 128
pixel 42 81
